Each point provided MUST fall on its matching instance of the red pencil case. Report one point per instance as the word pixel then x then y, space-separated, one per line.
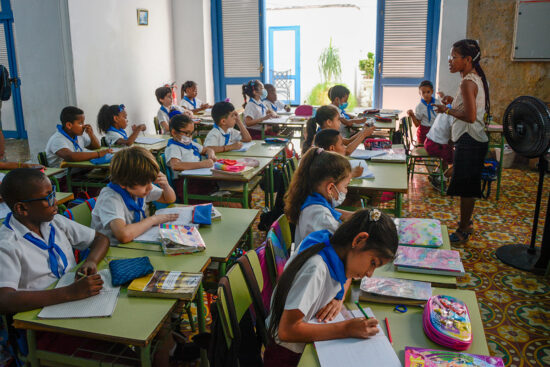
pixel 383 119
pixel 446 321
pixel 376 144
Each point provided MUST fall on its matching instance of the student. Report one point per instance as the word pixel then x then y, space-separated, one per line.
pixel 316 274
pixel 120 208
pixel 167 109
pixel 271 101
pixel 424 115
pixel 189 98
pixel 328 117
pixel 331 140
pixel 438 143
pixel 338 96
pixel 72 140
pixel 224 137
pixel 255 111
pixel 112 120
pixel 317 188
pixel 36 246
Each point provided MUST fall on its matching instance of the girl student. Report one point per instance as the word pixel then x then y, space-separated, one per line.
pixel 338 96
pixel 316 274
pixel 113 120
pixel 254 110
pixel 189 98
pixel 332 141
pixel 328 117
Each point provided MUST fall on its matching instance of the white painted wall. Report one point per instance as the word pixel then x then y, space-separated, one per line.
pixel 116 61
pixel 45 64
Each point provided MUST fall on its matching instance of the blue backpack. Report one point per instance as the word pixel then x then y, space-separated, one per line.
pixel 5 85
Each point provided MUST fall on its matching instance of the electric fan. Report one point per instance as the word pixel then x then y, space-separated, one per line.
pixel 526 127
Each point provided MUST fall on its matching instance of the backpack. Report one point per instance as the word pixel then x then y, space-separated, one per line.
pixel 5 85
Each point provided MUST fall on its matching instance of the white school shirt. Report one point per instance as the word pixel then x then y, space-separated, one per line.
pixel 254 109
pixel 163 116
pixel 476 129
pixel 58 141
pixel 440 132
pixel 314 218
pixel 185 104
pixel 421 113
pixel 24 266
pixel 110 206
pixel 344 130
pixel 111 137
pixel 182 154
pixel 216 139
pixel 312 289
pixel 276 106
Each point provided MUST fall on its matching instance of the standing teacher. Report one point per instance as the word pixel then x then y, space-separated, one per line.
pixel 469 108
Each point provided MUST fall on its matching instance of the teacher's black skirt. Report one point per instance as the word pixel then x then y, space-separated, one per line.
pixel 467 165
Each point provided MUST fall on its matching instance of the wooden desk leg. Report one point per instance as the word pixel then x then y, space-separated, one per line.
pixel 201 316
pixel 398 204
pixel 32 358
pixel 145 355
pixel 499 175
pixel 185 193
pixel 245 196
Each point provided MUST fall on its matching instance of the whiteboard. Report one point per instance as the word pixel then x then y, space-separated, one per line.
pixel 531 31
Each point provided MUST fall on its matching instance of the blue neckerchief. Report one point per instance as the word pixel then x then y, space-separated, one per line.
pixel 120 131
pixel 225 135
pixel 318 199
pixel 131 204
pixel 164 109
pixel 74 140
pixel 330 257
pixel 193 103
pixel 261 105
pixel 185 146
pixel 51 247
pixel 430 107
pixel 271 103
pixel 343 112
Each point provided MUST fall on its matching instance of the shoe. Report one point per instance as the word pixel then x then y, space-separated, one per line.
pixel 459 237
pixel 436 182
pixel 470 227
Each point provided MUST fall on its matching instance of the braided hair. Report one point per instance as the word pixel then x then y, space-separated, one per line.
pixel 249 88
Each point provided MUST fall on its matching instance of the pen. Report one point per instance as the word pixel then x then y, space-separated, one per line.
pixel 389 331
pixel 361 309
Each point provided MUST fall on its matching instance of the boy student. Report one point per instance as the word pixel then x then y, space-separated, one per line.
pixel 36 247
pixel 423 116
pixel 120 208
pixel 72 139
pixel 271 101
pixel 224 137
pixel 167 110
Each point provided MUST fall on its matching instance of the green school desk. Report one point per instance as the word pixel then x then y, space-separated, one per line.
pixel 259 149
pixel 47 171
pixel 387 177
pixel 154 147
pixel 63 197
pixel 285 120
pixel 83 164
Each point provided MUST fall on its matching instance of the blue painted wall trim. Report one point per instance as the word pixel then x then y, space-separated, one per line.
pixel 378 55
pixel 297 66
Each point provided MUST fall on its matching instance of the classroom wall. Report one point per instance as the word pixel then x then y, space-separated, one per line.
pixel 43 51
pixel 508 79
pixel 116 60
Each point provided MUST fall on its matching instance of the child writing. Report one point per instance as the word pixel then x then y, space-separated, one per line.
pixel 254 110
pixel 72 139
pixel 189 98
pixel 331 140
pixel 328 117
pixel 224 137
pixel 424 115
pixel 112 120
pixel 120 208
pixel 338 96
pixel 167 109
pixel 36 246
pixel 316 274
pixel 271 101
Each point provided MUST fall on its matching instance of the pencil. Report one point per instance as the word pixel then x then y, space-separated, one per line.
pixel 361 309
pixel 81 274
pixel 389 331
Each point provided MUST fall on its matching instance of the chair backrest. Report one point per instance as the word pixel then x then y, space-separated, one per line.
pixel 156 122
pixel 281 228
pixel 406 130
pixel 276 256
pixel 103 142
pixel 82 213
pixel 43 159
pixel 164 168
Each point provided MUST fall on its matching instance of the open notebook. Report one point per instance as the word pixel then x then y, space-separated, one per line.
pixel 101 305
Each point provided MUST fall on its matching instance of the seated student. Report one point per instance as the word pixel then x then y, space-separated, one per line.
pixel 167 109
pixel 316 274
pixel 224 137
pixel 438 143
pixel 271 101
pixel 328 117
pixel 424 115
pixel 120 207
pixel 36 246
pixel 338 96
pixel 254 110
pixel 72 140
pixel 112 120
pixel 331 140
pixel 189 98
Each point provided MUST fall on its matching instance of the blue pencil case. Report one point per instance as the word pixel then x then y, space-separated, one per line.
pixel 276 140
pixel 103 160
pixel 123 271
pixel 202 214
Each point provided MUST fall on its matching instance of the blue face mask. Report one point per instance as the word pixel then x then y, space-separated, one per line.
pixel 264 94
pixel 343 106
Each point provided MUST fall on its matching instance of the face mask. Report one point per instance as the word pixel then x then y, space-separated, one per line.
pixel 343 106
pixel 186 140
pixel 341 197
pixel 264 94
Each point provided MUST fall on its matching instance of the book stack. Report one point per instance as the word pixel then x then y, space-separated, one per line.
pixel 428 261
pixel 166 284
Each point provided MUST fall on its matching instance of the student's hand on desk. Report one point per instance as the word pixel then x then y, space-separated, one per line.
pixel 85 287
pixel 356 171
pixel 210 154
pixel 105 151
pixel 368 130
pixel 204 106
pixel 360 327
pixel 237 145
pixel 270 113
pixel 163 218
pixel 88 268
pixel 329 312
pixel 140 127
pixel 207 163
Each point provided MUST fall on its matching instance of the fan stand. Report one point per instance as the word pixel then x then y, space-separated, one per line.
pixel 519 255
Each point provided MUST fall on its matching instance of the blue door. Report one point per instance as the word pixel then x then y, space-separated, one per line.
pixel 406 48
pixel 238 34
pixel 284 62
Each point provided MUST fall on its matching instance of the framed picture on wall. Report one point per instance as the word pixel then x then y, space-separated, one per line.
pixel 143 16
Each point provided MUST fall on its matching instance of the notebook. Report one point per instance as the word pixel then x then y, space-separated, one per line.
pixel 366 154
pixel 351 352
pixel 428 261
pixel 148 140
pixel 367 173
pixel 101 305
pixel 277 120
pixel 419 232
pixel 166 284
pixel 420 357
pixel 245 146
pixel 393 290
pixel 196 172
pixel 396 155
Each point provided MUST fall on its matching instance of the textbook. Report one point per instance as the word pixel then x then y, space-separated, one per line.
pixel 420 357
pixel 419 232
pixel 166 284
pixel 429 261
pixel 179 239
pixel 396 291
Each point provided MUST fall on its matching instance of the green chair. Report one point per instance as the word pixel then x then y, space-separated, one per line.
pixel 156 122
pixel 276 256
pixel 43 159
pixel 104 142
pixel 161 159
pixel 82 213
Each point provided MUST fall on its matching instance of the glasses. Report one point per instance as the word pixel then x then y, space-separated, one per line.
pixel 50 198
pixel 186 133
pixel 451 57
pixel 121 108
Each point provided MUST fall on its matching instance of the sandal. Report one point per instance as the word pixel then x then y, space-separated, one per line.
pixel 470 227
pixel 459 237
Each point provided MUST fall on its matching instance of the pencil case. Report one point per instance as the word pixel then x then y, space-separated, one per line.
pixel 125 270
pixel 102 160
pixel 383 119
pixel 376 144
pixel 276 140
pixel 446 321
pixel 202 214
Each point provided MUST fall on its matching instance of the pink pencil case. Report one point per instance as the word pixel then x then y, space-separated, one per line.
pixel 375 144
pixel 446 321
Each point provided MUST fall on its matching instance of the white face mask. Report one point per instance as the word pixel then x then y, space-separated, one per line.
pixel 341 197
pixel 186 140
